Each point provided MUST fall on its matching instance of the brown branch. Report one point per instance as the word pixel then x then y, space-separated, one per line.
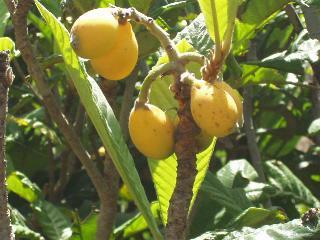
pixel 185 149
pixel 127 101
pixel 6 78
pixel 251 134
pixel 19 19
pixel 249 126
pixel 108 206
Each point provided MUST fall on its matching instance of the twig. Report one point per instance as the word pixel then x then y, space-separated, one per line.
pixel 127 101
pixel 108 205
pixel 294 18
pixel 249 126
pixel 19 17
pixel 6 78
pixel 165 41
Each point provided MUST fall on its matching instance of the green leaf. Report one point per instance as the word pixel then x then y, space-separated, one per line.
pixel 54 224
pixel 106 3
pixel 168 7
pixel 197 35
pixel 314 127
pixel 6 44
pixel 237 173
pixel 291 62
pixel 225 12
pixel 234 200
pixel 164 174
pixel 23 232
pixel 293 230
pixel 256 217
pixel 19 184
pixel 4 16
pixel 259 75
pixel 141 5
pixel 255 15
pixel 137 223
pixel 240 174
pixel 287 184
pixel 41 25
pixel 86 229
pixel 102 117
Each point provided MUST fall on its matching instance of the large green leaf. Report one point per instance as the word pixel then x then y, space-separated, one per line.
pixel 19 184
pixel 240 174
pixel 197 35
pixel 224 11
pixel 164 174
pixel 255 15
pixel 294 230
pixel 237 173
pixel 102 117
pixel 233 199
pixel 287 184
pixel 55 225
pixel 256 217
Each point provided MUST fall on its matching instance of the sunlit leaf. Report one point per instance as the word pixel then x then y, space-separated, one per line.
pixel 22 186
pixel 225 11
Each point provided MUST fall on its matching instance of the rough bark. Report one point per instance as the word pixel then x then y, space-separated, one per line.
pixel 6 78
pixel 185 149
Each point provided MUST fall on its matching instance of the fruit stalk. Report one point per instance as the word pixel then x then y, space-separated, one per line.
pixel 153 28
pixel 166 69
pixel 6 78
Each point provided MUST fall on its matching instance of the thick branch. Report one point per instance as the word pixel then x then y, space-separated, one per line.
pixel 185 149
pixel 23 43
pixel 6 78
